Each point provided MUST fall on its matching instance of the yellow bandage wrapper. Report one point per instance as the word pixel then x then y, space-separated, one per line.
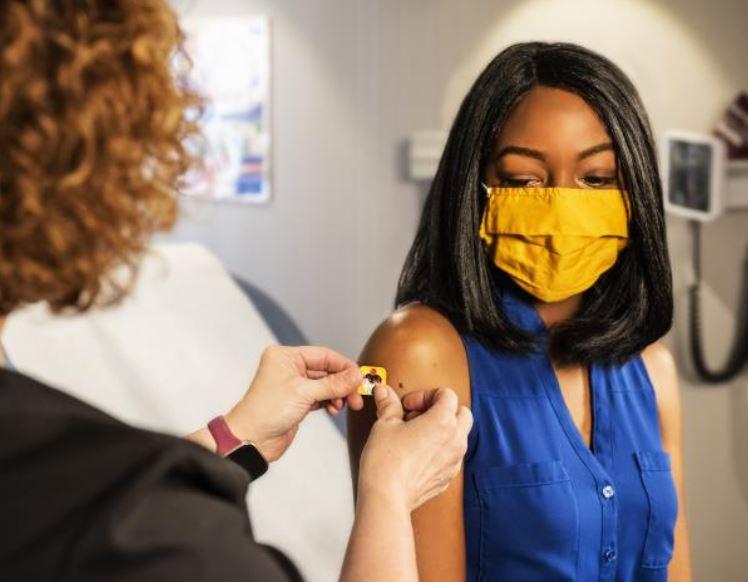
pixel 373 375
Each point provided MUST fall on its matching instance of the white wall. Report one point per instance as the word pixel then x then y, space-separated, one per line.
pixel 330 244
pixel 352 79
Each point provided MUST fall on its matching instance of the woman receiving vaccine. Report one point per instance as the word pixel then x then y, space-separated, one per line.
pixel 539 286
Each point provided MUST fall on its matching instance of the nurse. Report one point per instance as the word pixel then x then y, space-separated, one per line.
pixel 93 134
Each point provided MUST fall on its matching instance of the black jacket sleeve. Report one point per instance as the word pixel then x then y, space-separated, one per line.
pixel 84 497
pixel 172 530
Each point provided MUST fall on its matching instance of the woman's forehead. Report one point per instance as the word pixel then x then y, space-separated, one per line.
pixel 548 118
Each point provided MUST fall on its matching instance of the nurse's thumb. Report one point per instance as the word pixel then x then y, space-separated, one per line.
pixel 388 404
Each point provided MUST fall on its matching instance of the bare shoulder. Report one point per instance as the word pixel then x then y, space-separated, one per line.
pixel 421 349
pixel 416 321
pixel 659 360
pixel 662 371
pixel 660 364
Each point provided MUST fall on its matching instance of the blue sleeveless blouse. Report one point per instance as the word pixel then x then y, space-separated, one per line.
pixel 539 503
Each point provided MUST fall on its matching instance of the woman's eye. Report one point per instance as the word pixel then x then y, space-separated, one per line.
pixel 520 182
pixel 600 181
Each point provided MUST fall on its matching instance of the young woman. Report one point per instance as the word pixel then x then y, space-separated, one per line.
pixel 538 287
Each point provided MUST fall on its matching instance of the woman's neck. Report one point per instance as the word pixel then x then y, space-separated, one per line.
pixel 553 313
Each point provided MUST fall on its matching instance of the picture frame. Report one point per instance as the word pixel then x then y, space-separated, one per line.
pixel 231 69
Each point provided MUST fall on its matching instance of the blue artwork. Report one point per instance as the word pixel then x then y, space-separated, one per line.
pixel 231 69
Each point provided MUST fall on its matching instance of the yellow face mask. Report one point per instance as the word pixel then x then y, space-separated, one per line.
pixel 554 242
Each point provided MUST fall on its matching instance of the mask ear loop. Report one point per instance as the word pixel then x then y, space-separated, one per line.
pixel 487 190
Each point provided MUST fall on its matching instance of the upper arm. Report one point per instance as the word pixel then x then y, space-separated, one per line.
pixel 664 375
pixel 421 350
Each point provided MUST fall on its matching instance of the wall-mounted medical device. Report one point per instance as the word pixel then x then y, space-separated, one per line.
pixel 693 170
pixel 700 183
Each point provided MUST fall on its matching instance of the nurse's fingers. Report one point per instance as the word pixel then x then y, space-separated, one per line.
pixel 319 359
pixel 443 399
pixel 388 404
pixel 464 420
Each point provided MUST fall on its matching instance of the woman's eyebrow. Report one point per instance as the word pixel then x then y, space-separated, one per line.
pixel 601 147
pixel 521 151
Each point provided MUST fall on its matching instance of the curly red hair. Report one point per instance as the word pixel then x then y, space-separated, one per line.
pixel 94 126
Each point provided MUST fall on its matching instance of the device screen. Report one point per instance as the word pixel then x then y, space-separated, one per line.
pixel 690 175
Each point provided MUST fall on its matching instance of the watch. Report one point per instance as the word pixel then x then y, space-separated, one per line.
pixel 243 453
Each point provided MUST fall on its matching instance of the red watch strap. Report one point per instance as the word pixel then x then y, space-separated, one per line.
pixel 226 441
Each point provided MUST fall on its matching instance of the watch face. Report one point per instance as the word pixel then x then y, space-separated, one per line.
pixel 248 457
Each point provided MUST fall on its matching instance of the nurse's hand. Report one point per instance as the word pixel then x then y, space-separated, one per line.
pixel 288 385
pixel 412 461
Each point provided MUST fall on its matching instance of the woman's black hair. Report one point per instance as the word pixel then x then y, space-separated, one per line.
pixel 447 268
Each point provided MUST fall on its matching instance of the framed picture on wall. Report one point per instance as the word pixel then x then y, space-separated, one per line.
pixel 231 69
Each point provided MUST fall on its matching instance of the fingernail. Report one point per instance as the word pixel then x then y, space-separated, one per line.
pixel 354 376
pixel 380 392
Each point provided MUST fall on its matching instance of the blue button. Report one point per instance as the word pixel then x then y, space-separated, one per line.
pixel 608 491
pixel 609 555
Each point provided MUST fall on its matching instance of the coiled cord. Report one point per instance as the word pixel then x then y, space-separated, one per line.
pixel 738 356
